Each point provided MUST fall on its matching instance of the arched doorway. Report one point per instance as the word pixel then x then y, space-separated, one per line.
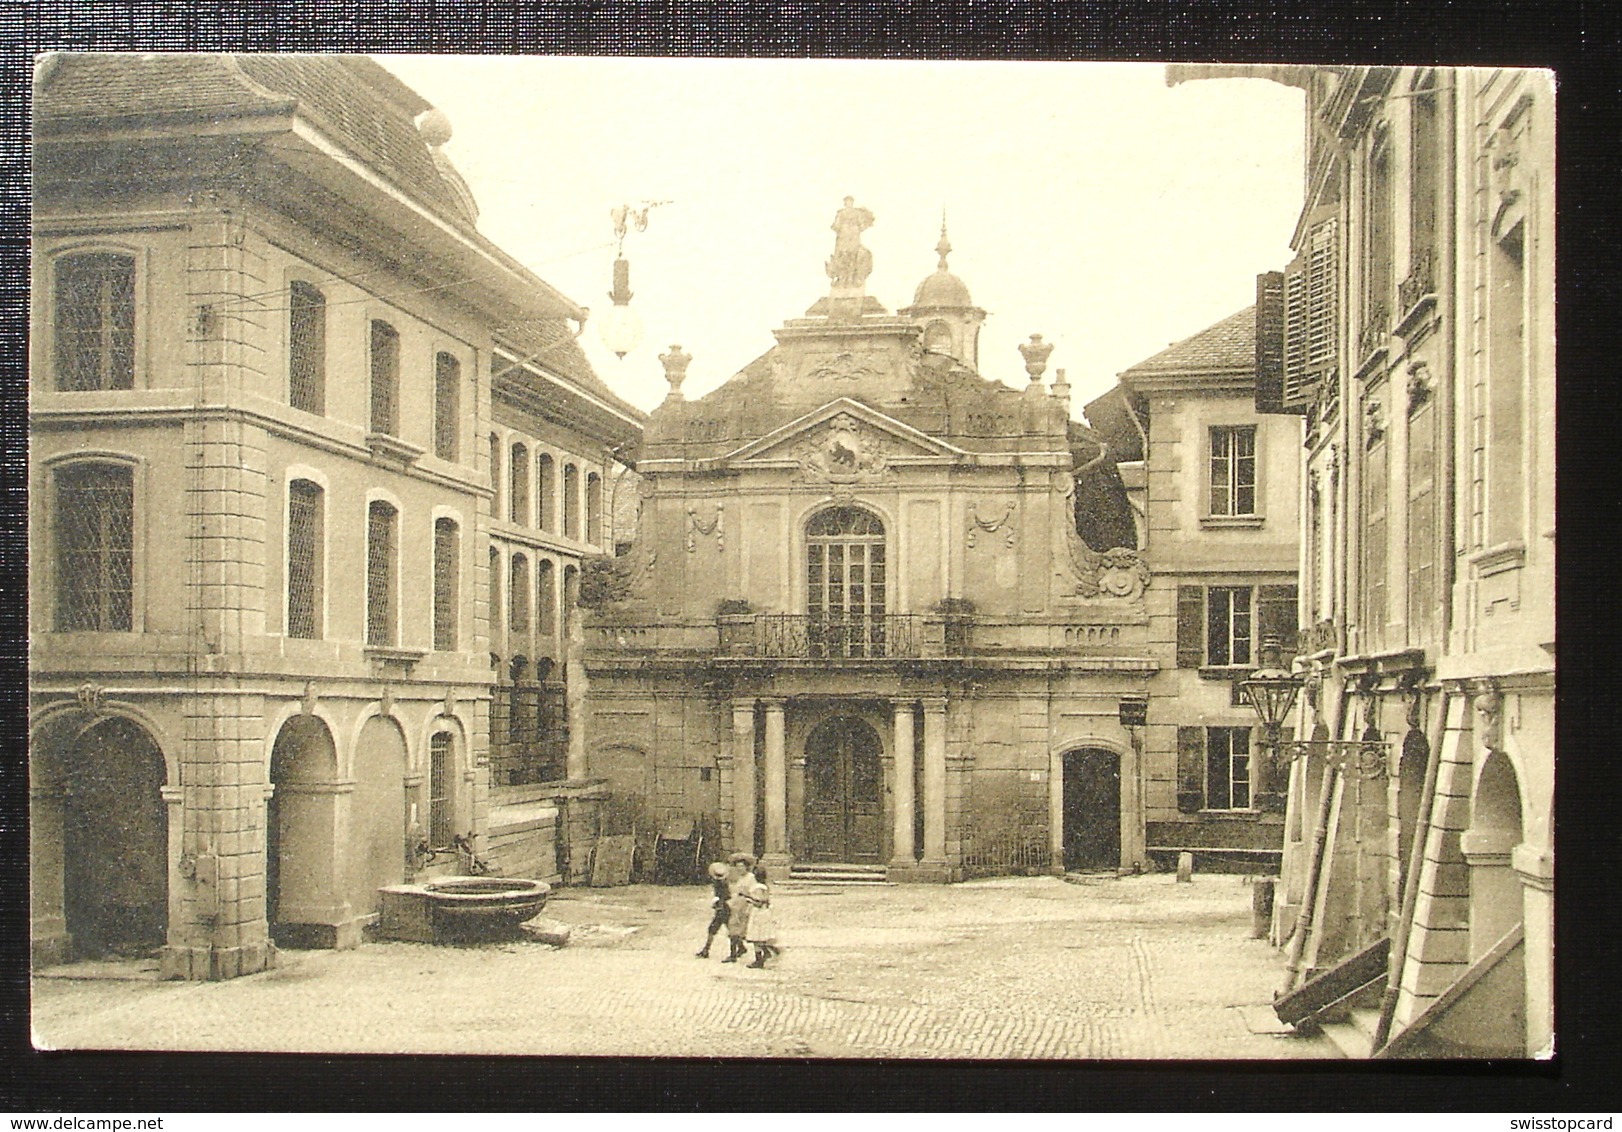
pixel 115 840
pixel 846 583
pixel 844 783
pixel 1092 809
pixel 1496 900
pixel 301 901
pixel 377 815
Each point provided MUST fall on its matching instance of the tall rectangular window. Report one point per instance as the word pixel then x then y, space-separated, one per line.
pixel 304 565
pixel 95 548
pixel 1227 632
pixel 1506 393
pixel 306 347
pixel 385 379
pixel 1425 139
pixel 546 491
pixel 95 322
pixel 441 820
pixel 546 599
pixel 594 509
pixel 1376 531
pixel 381 523
pixel 518 595
pixel 447 405
pixel 495 597
pixel 1233 470
pixel 1424 597
pixel 446 552
pixel 1227 768
pixel 1377 242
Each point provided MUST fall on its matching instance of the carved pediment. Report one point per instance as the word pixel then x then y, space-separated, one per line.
pixel 845 441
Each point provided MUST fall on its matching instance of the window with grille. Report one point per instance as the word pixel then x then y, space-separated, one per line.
pixel 518 493
pixel 1233 470
pixel 306 347
pixel 571 501
pixel 846 583
pixel 447 405
pixel 1227 768
pixel 441 819
pixel 546 598
pixel 546 491
pixel 518 594
pixel 382 522
pixel 594 509
pixel 446 551
pixel 95 322
pixel 385 378
pixel 95 540
pixel 495 594
pixel 304 559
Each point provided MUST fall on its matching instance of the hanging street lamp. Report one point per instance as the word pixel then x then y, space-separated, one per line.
pixel 1271 692
pixel 621 327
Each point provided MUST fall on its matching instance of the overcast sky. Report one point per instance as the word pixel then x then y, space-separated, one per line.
pixel 1086 202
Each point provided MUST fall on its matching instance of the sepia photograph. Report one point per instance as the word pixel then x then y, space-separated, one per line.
pixel 597 556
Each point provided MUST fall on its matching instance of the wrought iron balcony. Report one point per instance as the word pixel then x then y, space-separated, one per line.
pixel 1376 329
pixel 1421 280
pixel 807 636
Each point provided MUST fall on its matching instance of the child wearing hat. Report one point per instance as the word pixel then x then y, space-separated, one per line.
pixel 720 903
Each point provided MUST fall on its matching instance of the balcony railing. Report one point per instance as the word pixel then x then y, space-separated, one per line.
pixel 808 636
pixel 1421 280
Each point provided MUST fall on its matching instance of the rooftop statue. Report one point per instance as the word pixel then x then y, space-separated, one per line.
pixel 851 263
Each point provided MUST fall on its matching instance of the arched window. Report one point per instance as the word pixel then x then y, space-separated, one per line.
pixel 571 596
pixel 447 549
pixel 548 492
pixel 518 593
pixel 571 501
pixel 447 405
pixel 938 337
pixel 95 321
pixel 546 591
pixel 495 597
pixel 518 494
pixel 305 537
pixel 306 347
pixel 95 547
pixel 382 521
pixel 495 474
pixel 846 583
pixel 385 378
pixel 594 509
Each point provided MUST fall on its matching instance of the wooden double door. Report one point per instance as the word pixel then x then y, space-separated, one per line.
pixel 844 792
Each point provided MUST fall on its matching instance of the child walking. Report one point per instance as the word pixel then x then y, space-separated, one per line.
pixel 719 902
pixel 738 880
pixel 762 931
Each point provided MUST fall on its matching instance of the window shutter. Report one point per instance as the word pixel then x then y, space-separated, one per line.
pixel 1190 626
pixel 1322 302
pixel 1275 616
pixel 1270 343
pixel 1190 769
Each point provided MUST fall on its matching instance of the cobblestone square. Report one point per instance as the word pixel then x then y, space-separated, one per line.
pixel 1030 967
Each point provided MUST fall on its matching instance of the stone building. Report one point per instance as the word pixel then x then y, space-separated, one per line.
pixel 860 624
pixel 1415 334
pixel 1218 482
pixel 271 356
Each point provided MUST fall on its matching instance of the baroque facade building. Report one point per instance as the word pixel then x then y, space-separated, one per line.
pixel 1415 333
pixel 884 612
pixel 272 356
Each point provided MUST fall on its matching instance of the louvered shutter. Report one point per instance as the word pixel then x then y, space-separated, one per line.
pixel 1275 616
pixel 1190 626
pixel 1190 769
pixel 1311 305
pixel 1270 343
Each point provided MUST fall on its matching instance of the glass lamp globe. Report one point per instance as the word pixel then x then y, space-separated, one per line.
pixel 621 330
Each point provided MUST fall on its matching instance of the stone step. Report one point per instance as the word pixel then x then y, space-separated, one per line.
pixel 838 874
pixel 1354 1036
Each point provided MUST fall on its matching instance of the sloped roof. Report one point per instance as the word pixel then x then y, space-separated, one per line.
pixel 1225 347
pixel 554 347
pixel 366 110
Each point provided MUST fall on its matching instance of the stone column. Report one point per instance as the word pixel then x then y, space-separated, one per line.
pixel 743 774
pixel 933 866
pixel 776 792
pixel 903 859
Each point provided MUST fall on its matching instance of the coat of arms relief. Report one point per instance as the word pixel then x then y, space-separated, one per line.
pixel 844 452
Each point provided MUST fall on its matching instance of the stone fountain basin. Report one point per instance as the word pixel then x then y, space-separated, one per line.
pixel 447 909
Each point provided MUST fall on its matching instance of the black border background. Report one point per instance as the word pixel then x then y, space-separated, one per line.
pixel 1581 41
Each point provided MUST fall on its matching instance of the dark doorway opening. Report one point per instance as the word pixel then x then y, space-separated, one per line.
pixel 1092 810
pixel 115 841
pixel 844 812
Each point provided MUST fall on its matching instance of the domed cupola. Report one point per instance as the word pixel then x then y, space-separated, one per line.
pixel 942 306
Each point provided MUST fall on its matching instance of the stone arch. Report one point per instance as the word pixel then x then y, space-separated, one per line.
pixel 1495 831
pixel 304 899
pixel 627 767
pixel 1090 809
pixel 377 821
pixel 101 836
pixel 1412 762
